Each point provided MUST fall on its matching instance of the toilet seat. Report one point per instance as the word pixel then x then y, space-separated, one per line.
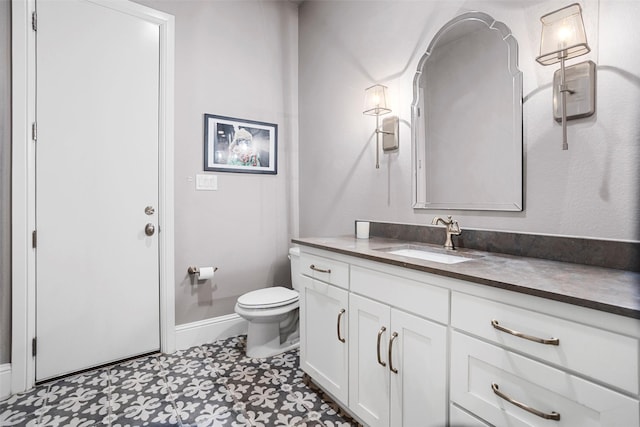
pixel 268 298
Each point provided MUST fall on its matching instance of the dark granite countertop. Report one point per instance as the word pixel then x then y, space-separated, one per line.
pixel 604 289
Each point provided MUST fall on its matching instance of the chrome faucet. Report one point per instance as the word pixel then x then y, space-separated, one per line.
pixel 452 228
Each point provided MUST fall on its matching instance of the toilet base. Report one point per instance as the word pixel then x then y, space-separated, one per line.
pixel 263 340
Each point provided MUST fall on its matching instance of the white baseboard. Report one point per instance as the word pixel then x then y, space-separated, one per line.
pixel 206 331
pixel 5 380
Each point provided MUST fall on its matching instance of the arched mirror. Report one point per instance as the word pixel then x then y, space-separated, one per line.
pixel 467 118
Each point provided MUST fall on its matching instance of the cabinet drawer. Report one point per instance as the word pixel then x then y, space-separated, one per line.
pixel 596 353
pixel 479 371
pixel 325 269
pixel 459 418
pixel 409 295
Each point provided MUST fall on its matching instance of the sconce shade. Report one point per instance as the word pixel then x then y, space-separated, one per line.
pixel 375 101
pixel 563 35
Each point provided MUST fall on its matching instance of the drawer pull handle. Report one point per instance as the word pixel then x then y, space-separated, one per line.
pixel 552 416
pixel 549 341
pixel 320 270
pixel 342 311
pixel 391 368
pixel 380 332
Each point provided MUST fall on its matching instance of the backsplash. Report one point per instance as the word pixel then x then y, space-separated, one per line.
pixel 600 253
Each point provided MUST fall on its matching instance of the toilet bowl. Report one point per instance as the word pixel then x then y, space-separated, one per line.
pixel 272 314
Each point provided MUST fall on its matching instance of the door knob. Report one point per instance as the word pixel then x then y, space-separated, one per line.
pixel 149 229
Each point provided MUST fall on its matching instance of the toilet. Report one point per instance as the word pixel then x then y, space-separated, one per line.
pixel 272 314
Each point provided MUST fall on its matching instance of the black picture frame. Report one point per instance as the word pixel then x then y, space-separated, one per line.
pixel 239 145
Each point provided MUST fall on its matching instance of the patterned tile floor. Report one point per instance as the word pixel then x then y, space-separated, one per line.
pixel 210 385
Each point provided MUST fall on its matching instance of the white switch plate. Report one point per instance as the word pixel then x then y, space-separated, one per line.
pixel 206 182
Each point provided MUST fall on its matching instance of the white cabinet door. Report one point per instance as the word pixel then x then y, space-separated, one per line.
pixel 324 333
pixel 369 324
pixel 418 366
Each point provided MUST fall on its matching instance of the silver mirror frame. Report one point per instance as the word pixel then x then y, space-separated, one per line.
pixel 420 200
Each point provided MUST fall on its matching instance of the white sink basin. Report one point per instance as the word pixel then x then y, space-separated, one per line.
pixel 419 252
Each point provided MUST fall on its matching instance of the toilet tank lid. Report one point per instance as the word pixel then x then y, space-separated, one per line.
pixel 268 297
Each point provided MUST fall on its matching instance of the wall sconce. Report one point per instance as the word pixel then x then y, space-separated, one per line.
pixel 375 104
pixel 563 37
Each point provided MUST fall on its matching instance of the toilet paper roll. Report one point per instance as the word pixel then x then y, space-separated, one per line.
pixel 206 273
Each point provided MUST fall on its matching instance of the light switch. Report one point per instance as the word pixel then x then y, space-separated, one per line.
pixel 206 182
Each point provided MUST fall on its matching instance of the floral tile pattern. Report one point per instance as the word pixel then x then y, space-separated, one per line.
pixel 211 385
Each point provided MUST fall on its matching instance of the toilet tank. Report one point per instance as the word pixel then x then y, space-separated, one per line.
pixel 294 256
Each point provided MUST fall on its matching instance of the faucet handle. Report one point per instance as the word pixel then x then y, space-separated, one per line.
pixel 454 227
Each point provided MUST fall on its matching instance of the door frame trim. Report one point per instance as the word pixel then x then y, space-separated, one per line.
pixel 23 302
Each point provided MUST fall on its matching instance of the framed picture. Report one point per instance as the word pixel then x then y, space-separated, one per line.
pixel 237 145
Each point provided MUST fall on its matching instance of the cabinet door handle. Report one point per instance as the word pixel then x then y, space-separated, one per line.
pixel 549 341
pixel 380 332
pixel 342 311
pixel 552 416
pixel 391 368
pixel 320 270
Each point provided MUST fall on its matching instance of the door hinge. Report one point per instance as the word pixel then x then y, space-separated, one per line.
pixel 34 21
pixel 34 131
pixel 34 346
pixel 34 239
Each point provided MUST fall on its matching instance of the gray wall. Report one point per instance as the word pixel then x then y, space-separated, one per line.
pixel 5 181
pixel 235 59
pixel 589 191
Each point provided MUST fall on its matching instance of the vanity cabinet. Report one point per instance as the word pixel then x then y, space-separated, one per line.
pixel 324 327
pixel 400 347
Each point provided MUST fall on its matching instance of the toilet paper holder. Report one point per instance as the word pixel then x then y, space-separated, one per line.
pixel 196 271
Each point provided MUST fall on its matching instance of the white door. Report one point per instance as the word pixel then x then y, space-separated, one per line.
pixel 97 284
pixel 324 340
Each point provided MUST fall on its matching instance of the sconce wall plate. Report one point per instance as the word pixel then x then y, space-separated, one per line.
pixel 390 128
pixel 581 98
